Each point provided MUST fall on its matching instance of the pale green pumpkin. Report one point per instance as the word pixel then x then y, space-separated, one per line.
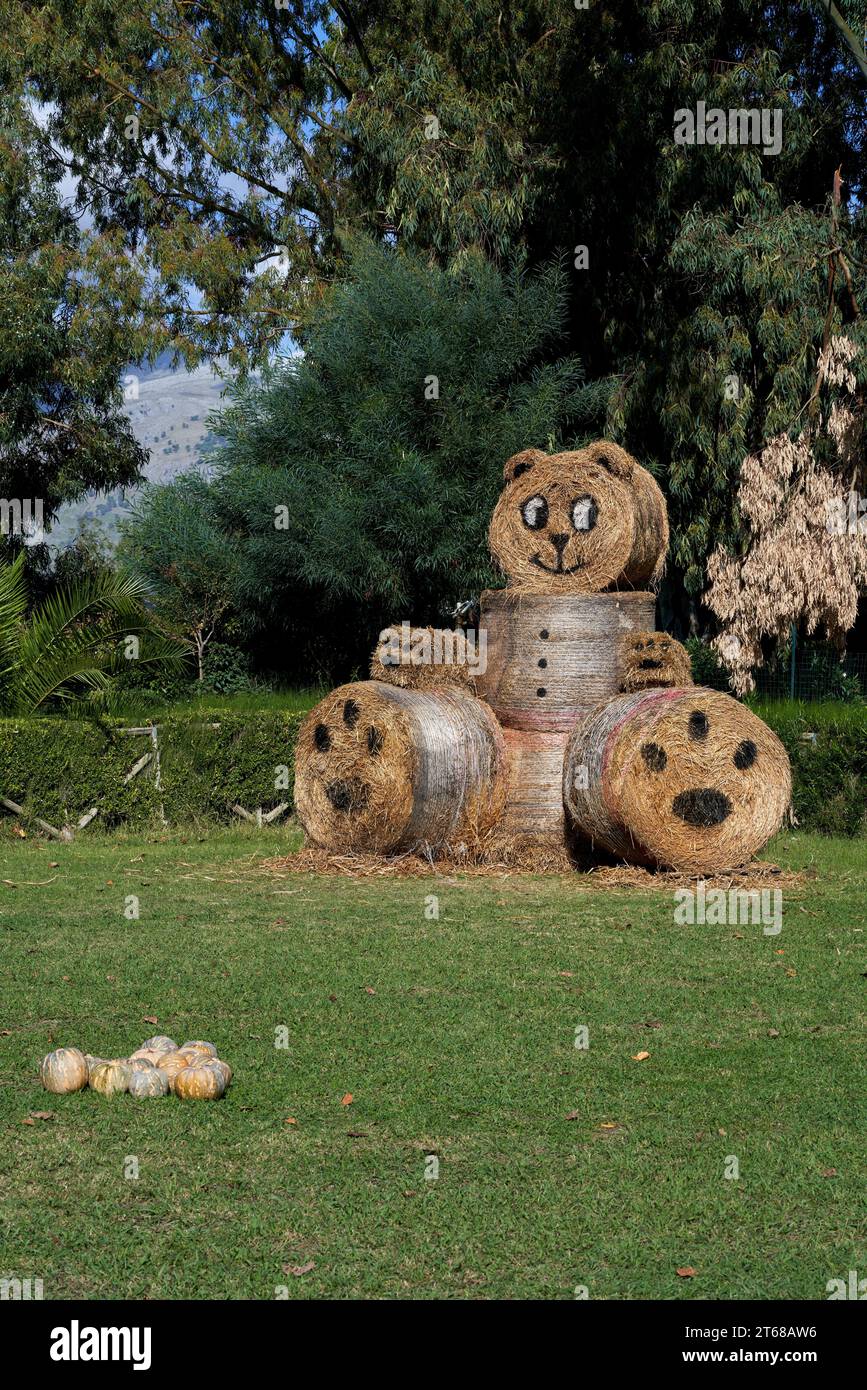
pixel 112 1078
pixel 64 1070
pixel 205 1049
pixel 93 1062
pixel 152 1082
pixel 158 1044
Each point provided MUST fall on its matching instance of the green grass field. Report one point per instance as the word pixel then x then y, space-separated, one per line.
pixel 456 1039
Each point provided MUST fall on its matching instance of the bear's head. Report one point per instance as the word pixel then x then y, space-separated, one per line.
pixel 579 522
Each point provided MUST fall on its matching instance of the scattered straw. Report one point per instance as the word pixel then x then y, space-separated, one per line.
pixel 524 860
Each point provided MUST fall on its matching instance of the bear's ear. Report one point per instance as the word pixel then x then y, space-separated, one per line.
pixel 611 457
pixel 522 463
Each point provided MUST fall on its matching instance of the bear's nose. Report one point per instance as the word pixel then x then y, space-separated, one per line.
pixel 349 795
pixel 558 540
pixel 702 807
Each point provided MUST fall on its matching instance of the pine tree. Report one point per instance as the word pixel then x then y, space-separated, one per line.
pixel 356 482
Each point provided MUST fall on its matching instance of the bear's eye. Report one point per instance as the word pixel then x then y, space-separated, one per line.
pixel 322 738
pixel 584 513
pixel 535 513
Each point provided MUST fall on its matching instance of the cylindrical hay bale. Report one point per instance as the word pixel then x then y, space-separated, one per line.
pixel 534 804
pixel 653 659
pixel 548 658
pixel 579 522
pixel 425 658
pixel 385 770
pixel 686 778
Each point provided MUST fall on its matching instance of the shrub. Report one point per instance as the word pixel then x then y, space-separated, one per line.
pixel 60 768
pixel 827 747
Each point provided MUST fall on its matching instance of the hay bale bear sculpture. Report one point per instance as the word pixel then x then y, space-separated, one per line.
pixel 570 726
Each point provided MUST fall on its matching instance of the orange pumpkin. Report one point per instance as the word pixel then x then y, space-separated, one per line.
pixel 111 1078
pixel 64 1070
pixel 152 1082
pixel 171 1063
pixel 200 1082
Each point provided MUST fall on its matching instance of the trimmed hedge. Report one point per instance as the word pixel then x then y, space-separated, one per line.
pixel 827 747
pixel 59 768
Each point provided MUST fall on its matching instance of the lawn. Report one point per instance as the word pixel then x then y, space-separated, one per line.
pixel 558 1167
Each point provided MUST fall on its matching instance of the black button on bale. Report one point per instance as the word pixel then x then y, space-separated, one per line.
pixel 544 634
pixel 541 691
pixel 544 662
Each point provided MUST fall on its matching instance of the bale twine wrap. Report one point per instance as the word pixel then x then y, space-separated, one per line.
pixel 582 521
pixel 683 778
pixel 424 658
pixel 387 770
pixel 652 659
pixel 549 658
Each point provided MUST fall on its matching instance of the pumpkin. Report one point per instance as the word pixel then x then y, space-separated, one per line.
pixel 172 1062
pixel 111 1078
pixel 64 1070
pixel 159 1044
pixel 200 1082
pixel 152 1082
pixel 141 1063
pixel 223 1067
pixel 92 1062
pixel 146 1054
pixel 206 1049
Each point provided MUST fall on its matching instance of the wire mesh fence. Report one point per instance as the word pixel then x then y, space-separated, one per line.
pixel 814 672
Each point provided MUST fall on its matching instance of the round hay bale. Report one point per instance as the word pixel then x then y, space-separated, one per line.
pixel 685 778
pixel 653 659
pixel 548 658
pixel 424 658
pixel 582 521
pixel 534 801
pixel 386 770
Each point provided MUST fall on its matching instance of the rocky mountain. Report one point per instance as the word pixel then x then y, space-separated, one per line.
pixel 169 411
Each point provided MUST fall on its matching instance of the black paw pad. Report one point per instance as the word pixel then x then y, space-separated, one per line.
pixel 698 725
pixel 654 756
pixel 745 754
pixel 703 807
